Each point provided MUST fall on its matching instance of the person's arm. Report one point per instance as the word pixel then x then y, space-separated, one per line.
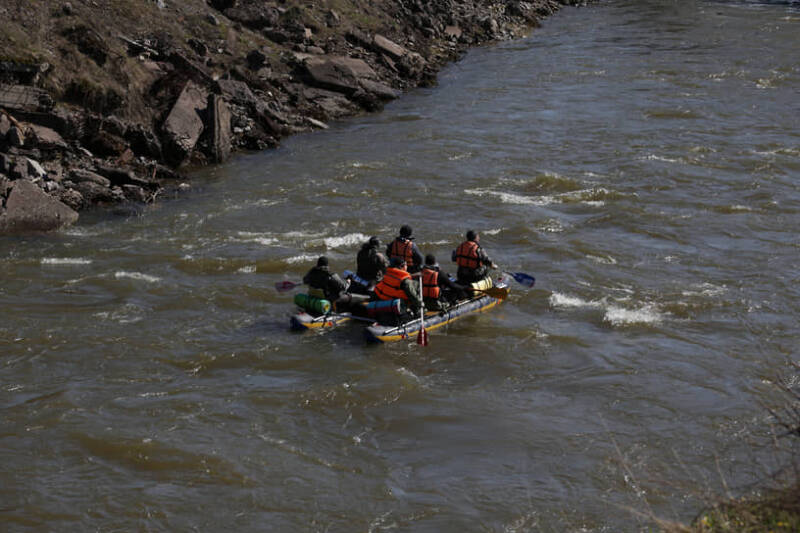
pixel 415 253
pixel 485 260
pixel 409 286
pixel 383 262
pixel 306 277
pixel 337 283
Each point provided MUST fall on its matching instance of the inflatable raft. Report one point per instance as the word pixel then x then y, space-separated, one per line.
pixel 433 319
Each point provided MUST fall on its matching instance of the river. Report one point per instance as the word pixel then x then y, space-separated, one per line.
pixel 640 158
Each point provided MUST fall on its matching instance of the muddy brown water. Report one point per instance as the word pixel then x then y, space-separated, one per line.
pixel 641 159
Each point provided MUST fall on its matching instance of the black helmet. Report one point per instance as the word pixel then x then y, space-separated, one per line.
pixel 322 261
pixel 375 242
pixel 397 262
pixel 405 231
pixel 430 259
pixel 471 235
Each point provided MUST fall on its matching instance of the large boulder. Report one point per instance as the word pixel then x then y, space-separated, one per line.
pixel 184 124
pixel 29 209
pixel 338 73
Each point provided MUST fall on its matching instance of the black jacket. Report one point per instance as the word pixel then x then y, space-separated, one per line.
pixel 320 277
pixel 371 264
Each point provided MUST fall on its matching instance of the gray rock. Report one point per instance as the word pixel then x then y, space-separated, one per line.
pixel 5 126
pixel 183 126
pixel 220 126
pixel 15 136
pixel 35 169
pixel 93 192
pixel 338 73
pixel 28 208
pixel 390 48
pixel 46 138
pixel 80 175
pixel 135 193
pixel 71 198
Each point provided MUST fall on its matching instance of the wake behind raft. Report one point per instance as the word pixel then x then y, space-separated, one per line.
pixel 390 320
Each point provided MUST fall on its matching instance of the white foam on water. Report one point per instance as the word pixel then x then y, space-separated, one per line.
pixel 705 289
pixel 565 302
pixel 653 157
pixel 510 198
pixel 249 269
pixel 258 238
pixel 66 261
pixel 618 316
pixel 138 276
pixel 492 231
pixel 606 260
pixel 303 258
pixel 346 240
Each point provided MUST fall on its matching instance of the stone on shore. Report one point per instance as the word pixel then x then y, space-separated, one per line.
pixel 219 117
pixel 29 209
pixel 184 124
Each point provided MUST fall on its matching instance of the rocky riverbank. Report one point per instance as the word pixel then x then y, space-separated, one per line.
pixel 102 103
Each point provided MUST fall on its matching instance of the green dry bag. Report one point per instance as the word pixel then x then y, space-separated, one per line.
pixel 311 304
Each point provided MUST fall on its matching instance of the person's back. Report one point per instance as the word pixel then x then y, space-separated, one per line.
pixel 473 263
pixel 397 283
pixel 370 263
pixel 438 291
pixel 323 283
pixel 403 247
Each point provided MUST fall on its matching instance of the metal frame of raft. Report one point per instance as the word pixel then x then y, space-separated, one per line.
pixel 433 320
pixel 377 332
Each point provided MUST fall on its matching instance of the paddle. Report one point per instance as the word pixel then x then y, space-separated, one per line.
pixel 422 336
pixel 286 285
pixel 522 278
pixel 501 293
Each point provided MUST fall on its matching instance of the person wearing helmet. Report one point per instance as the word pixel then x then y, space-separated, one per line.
pixel 323 283
pixel 404 248
pixel 473 263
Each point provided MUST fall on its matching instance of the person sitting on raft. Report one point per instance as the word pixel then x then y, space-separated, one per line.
pixel 404 248
pixel 370 265
pixel 473 263
pixel 397 283
pixel 438 291
pixel 323 283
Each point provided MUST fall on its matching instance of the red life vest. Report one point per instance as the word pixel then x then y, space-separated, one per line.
pixel 430 283
pixel 404 249
pixel 389 287
pixel 467 255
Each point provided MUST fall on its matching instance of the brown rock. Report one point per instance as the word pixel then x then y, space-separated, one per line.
pixel 28 208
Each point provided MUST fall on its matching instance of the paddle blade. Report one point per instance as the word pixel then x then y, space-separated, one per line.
pixel 501 293
pixel 422 337
pixel 523 279
pixel 286 285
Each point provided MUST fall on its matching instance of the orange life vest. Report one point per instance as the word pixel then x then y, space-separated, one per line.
pixel 404 249
pixel 467 255
pixel 389 287
pixel 430 283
